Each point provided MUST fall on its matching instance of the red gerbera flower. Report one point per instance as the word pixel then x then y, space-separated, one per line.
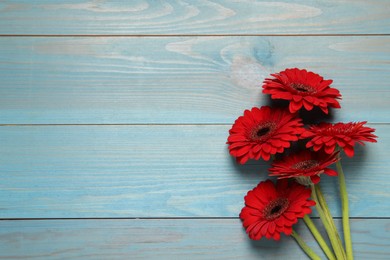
pixel 327 136
pixel 304 164
pixel 262 132
pixel 272 209
pixel 302 88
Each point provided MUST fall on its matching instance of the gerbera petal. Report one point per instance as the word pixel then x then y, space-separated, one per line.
pixel 282 95
pixel 264 229
pixel 303 88
pixel 242 160
pixel 309 99
pixel 289 216
pixel 317 147
pixel 240 151
pixel 260 133
pixel 345 135
pixel 324 109
pixel 276 236
pixel 279 212
pixel 302 161
pixel 349 151
pixel 304 212
pixel 279 222
pixel 317 141
pixel 282 186
pixel 287 230
pixel 308 105
pixel 326 139
pixel 341 143
pixel 266 148
pixel 306 134
pixel 330 172
pixel 272 227
pixel 335 104
pixel 237 138
pixel 315 179
pixel 253 202
pixel 330 149
pixel 237 145
pixel 297 98
pixel 266 156
pixel 294 106
pixel 309 144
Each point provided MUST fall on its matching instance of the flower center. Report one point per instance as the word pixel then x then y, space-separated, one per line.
pixel 262 131
pixel 275 208
pixel 340 129
pixel 302 88
pixel 306 165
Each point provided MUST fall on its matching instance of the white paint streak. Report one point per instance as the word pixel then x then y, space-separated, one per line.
pixel 248 73
pixel 363 45
pixel 99 6
pixel 83 47
pixel 284 11
pixel 186 48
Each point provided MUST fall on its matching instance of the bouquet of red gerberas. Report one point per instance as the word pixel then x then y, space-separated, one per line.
pixel 268 133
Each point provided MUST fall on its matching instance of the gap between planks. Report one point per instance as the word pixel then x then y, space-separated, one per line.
pixel 156 218
pixel 192 35
pixel 129 124
pixel 149 124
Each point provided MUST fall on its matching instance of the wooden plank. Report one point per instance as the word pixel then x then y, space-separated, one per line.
pixel 154 171
pixel 179 80
pixel 172 17
pixel 169 239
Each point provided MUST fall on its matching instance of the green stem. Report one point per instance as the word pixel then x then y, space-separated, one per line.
pixel 325 208
pixel 317 235
pixel 304 246
pixel 345 211
pixel 329 226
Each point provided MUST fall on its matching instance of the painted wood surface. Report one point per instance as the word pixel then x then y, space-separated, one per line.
pixel 178 79
pixel 154 171
pixel 111 111
pixel 168 239
pixel 193 17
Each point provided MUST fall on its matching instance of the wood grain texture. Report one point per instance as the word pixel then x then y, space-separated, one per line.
pixel 154 171
pixel 194 17
pixel 169 239
pixel 179 80
pixel 176 76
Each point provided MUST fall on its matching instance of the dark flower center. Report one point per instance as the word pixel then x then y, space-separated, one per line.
pixel 262 131
pixel 302 88
pixel 275 208
pixel 306 165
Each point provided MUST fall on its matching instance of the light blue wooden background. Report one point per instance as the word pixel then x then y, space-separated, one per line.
pixel 114 117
